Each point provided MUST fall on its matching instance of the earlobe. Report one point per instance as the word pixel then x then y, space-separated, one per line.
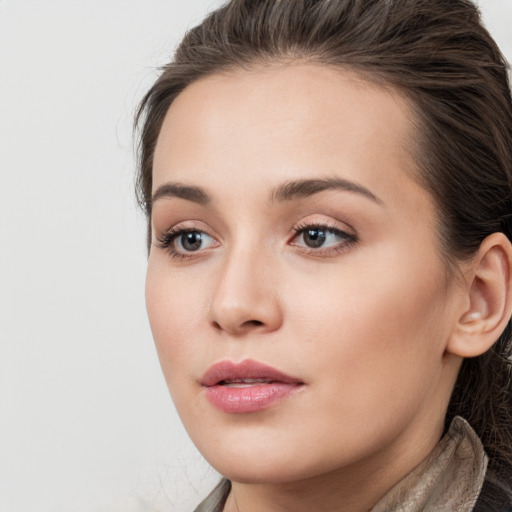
pixel 488 304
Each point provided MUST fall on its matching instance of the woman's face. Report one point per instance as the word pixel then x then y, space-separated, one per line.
pixel 289 232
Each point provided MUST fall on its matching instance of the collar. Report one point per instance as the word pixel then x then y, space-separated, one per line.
pixel 449 479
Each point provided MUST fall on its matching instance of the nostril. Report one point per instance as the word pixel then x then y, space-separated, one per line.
pixel 240 328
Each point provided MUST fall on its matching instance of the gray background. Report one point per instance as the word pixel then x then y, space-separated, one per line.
pixel 86 423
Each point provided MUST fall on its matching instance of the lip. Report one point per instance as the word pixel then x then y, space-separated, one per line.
pixel 225 390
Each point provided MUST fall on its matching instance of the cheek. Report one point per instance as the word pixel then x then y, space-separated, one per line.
pixel 176 309
pixel 372 329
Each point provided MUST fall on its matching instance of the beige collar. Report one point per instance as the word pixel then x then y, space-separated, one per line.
pixel 449 479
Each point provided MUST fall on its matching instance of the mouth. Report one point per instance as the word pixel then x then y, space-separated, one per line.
pixel 243 383
pixel 249 386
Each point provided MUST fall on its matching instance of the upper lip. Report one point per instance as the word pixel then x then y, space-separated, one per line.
pixel 247 369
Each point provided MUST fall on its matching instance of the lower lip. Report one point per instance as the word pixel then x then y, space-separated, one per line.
pixel 255 398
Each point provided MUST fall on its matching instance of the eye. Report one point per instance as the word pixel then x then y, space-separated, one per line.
pixel 181 242
pixel 322 237
pixel 192 240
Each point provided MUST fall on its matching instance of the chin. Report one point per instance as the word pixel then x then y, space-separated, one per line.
pixel 256 461
pixel 267 462
pixel 261 472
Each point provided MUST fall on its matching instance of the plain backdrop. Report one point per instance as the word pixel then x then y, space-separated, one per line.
pixel 86 423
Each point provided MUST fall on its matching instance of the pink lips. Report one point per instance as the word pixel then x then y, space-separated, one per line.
pixel 246 387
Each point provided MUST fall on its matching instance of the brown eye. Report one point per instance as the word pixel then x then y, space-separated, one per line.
pixel 181 242
pixel 322 240
pixel 314 238
pixel 190 241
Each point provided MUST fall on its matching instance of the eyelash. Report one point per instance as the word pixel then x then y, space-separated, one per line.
pixel 166 240
pixel 349 239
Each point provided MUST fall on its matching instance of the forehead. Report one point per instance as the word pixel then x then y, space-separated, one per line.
pixel 272 123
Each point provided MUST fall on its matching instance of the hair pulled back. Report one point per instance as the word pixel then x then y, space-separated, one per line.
pixel 437 53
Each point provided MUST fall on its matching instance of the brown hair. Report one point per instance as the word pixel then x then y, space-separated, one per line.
pixel 437 53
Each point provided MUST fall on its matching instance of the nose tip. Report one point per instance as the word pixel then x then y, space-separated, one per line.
pixel 242 319
pixel 245 300
pixel 233 322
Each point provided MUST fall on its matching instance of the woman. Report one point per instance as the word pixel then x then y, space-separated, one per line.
pixel 328 188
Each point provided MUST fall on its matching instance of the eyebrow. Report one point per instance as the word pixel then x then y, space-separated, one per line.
pixel 308 187
pixel 284 192
pixel 188 192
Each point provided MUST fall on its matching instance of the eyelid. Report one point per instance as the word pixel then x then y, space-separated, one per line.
pixel 324 223
pixel 348 235
pixel 186 226
pixel 166 239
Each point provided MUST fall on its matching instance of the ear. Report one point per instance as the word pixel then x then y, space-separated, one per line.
pixel 488 298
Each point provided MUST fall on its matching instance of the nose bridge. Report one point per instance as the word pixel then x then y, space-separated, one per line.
pixel 245 297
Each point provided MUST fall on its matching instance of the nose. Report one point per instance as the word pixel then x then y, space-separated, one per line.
pixel 245 299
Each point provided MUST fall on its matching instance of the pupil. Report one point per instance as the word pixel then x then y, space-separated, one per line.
pixel 191 241
pixel 315 238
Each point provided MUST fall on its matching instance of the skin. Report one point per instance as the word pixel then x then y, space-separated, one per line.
pixel 366 322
